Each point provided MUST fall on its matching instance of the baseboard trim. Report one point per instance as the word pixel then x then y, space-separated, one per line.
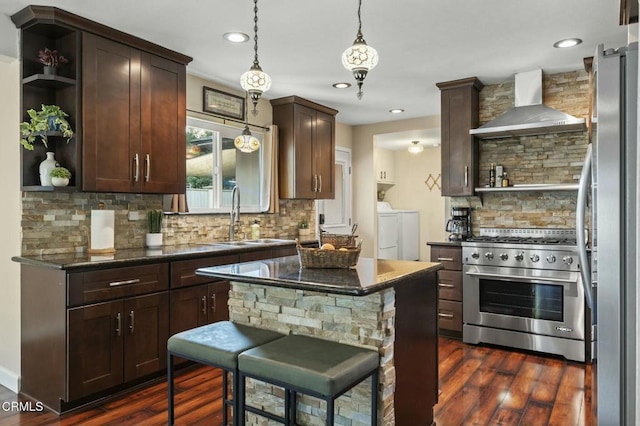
pixel 9 380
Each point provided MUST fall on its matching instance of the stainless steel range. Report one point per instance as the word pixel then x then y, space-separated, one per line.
pixel 522 288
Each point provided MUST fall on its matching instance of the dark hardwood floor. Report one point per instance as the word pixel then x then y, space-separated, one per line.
pixel 479 386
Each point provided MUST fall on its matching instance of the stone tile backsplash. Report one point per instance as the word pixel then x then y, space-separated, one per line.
pixel 60 222
pixel 554 158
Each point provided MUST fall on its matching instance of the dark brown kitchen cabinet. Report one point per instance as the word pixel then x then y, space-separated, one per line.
pixel 115 342
pixel 126 100
pixel 459 102
pixel 449 288
pixel 134 114
pixel 195 306
pixel 306 148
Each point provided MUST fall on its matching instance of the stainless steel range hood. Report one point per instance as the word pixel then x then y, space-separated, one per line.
pixel 529 116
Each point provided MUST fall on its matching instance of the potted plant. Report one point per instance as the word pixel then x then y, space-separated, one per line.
pixel 154 227
pixel 50 118
pixel 303 228
pixel 60 176
pixel 51 60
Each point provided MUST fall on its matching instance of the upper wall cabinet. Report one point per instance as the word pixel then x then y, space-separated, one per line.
pixel 459 152
pixel 306 148
pixel 385 166
pixel 126 100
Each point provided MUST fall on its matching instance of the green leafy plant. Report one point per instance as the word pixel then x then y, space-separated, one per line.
pixel 61 172
pixel 303 224
pixel 154 221
pixel 49 118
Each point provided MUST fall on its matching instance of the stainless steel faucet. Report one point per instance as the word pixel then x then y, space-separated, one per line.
pixel 235 212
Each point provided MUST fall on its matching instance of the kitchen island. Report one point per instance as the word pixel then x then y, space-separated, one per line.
pixel 387 305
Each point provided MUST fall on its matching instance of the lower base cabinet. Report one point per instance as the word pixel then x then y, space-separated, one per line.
pixel 115 342
pixel 449 288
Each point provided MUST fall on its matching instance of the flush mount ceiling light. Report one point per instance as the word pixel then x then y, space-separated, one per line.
pixel 235 37
pixel 255 81
pixel 396 111
pixel 415 147
pixel 567 42
pixel 341 85
pixel 246 142
pixel 360 58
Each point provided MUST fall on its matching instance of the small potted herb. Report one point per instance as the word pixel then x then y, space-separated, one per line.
pixel 51 60
pixel 50 118
pixel 303 228
pixel 60 176
pixel 154 228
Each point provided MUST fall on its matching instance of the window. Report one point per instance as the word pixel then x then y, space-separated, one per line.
pixel 215 166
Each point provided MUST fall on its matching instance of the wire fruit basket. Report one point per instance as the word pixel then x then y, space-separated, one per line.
pixel 342 257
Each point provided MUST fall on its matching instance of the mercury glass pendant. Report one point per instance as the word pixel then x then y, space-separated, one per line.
pixel 360 58
pixel 246 142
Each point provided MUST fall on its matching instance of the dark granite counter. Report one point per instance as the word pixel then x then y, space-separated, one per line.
pixel 369 275
pixel 445 243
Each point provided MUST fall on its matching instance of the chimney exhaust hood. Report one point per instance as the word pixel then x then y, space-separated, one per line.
pixel 529 116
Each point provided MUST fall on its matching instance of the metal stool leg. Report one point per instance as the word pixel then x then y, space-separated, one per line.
pixel 225 393
pixel 235 402
pixel 330 407
pixel 293 406
pixel 238 414
pixel 170 389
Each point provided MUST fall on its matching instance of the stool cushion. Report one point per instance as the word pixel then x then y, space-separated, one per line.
pixel 219 343
pixel 322 366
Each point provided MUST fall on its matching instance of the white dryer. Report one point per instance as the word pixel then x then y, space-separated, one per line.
pixel 398 233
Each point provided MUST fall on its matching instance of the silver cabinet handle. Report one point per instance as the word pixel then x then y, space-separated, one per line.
pixel 136 173
pixel 320 186
pixel 443 285
pixel 445 259
pixel 213 302
pixel 466 175
pixel 315 183
pixel 118 324
pixel 125 282
pixel 147 167
pixel 204 305
pixel 132 317
pixel 443 315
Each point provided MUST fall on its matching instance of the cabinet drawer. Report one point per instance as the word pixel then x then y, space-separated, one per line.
pixel 98 286
pixel 450 315
pixel 450 285
pixel 183 272
pixel 450 257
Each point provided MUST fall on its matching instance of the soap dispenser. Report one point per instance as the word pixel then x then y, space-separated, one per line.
pixel 255 230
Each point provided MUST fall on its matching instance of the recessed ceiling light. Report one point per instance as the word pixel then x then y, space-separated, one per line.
pixel 567 42
pixel 396 111
pixel 235 37
pixel 341 85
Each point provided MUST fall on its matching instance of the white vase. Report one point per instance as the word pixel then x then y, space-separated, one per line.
pixel 59 181
pixel 46 166
pixel 154 240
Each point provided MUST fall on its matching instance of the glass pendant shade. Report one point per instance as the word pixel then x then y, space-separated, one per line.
pixel 246 142
pixel 415 147
pixel 255 81
pixel 360 58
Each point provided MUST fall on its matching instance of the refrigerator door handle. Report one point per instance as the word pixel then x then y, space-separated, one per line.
pixel 581 208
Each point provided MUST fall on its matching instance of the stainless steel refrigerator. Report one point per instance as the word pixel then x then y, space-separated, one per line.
pixel 610 180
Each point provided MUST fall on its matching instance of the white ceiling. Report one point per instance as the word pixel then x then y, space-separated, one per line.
pixel 420 42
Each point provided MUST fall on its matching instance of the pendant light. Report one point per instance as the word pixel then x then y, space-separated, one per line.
pixel 255 81
pixel 246 142
pixel 360 58
pixel 415 147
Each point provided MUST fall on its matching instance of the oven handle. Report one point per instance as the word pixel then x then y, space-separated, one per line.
pixel 520 277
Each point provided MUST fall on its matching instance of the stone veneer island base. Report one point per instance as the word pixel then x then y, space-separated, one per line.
pixel 387 305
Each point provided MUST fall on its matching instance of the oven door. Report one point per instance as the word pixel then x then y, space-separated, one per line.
pixel 540 302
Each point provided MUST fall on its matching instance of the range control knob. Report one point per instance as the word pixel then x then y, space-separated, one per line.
pixel 568 260
pixel 535 258
pixel 475 255
pixel 504 256
pixel 520 256
pixel 488 255
pixel 551 258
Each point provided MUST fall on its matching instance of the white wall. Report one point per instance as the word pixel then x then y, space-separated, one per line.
pixel 10 224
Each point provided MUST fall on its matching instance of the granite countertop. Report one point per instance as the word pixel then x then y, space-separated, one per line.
pixel 445 243
pixel 369 275
pixel 125 257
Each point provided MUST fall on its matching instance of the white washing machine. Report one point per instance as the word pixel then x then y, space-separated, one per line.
pixel 398 233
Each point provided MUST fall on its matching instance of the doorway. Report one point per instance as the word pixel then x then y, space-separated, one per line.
pixel 337 212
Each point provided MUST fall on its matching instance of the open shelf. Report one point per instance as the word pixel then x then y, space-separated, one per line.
pixel 533 187
pixel 48 81
pixel 39 188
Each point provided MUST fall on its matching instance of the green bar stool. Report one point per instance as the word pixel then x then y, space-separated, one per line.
pixel 303 364
pixel 217 345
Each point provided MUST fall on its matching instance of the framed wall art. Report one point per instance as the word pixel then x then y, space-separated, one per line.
pixel 222 103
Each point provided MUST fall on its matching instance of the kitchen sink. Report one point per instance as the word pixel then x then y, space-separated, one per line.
pixel 260 241
pixel 267 241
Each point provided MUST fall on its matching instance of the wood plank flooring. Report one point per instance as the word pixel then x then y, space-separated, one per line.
pixel 479 386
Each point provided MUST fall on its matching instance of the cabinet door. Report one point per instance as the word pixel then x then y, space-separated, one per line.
pixel 304 120
pixel 219 301
pixel 146 332
pixel 95 340
pixel 163 123
pixel 188 308
pixel 325 155
pixel 111 116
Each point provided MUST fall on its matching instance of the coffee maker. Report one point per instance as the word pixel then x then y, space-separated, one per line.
pixel 460 224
